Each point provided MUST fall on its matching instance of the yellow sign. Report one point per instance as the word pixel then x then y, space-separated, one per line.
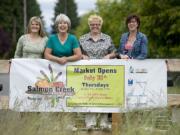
pixel 96 85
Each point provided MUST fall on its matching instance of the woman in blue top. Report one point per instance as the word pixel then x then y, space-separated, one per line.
pixel 133 44
pixel 63 46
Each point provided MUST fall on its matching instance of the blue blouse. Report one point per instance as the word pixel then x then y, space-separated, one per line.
pixel 139 50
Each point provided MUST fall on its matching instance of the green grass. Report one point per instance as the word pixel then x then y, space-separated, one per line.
pixel 176 83
pixel 149 122
pixel 15 123
pixel 174 90
pixel 145 122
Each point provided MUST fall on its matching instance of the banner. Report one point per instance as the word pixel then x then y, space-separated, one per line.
pixel 87 85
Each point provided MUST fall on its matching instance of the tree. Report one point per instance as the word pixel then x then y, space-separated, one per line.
pixel 83 27
pixel 33 9
pixel 4 43
pixel 69 8
pixel 11 22
pixel 160 21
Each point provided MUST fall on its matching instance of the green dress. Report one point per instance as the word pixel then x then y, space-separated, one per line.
pixel 28 49
pixel 65 49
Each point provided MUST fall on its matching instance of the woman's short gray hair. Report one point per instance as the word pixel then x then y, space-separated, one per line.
pixel 62 17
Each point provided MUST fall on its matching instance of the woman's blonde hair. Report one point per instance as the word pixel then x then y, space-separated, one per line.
pixel 95 17
pixel 62 17
pixel 39 21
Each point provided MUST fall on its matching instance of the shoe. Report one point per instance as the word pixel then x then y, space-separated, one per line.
pixel 105 127
pixel 72 128
pixel 90 127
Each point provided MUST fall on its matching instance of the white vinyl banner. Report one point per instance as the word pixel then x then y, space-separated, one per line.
pixel 39 85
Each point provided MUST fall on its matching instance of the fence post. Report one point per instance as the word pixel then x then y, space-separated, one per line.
pixel 117 122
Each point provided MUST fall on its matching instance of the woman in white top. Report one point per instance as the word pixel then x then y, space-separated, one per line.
pixel 32 44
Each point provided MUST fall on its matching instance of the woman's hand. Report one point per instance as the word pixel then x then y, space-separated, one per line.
pixel 107 56
pixel 85 57
pixel 62 60
pixel 124 57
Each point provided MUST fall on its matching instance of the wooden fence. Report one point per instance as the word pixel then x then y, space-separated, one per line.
pixel 173 99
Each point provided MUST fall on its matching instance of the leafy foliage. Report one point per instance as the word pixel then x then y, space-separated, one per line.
pixel 69 8
pixel 11 23
pixel 160 21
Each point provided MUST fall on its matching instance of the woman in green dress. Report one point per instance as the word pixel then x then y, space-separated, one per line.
pixel 62 47
pixel 32 44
